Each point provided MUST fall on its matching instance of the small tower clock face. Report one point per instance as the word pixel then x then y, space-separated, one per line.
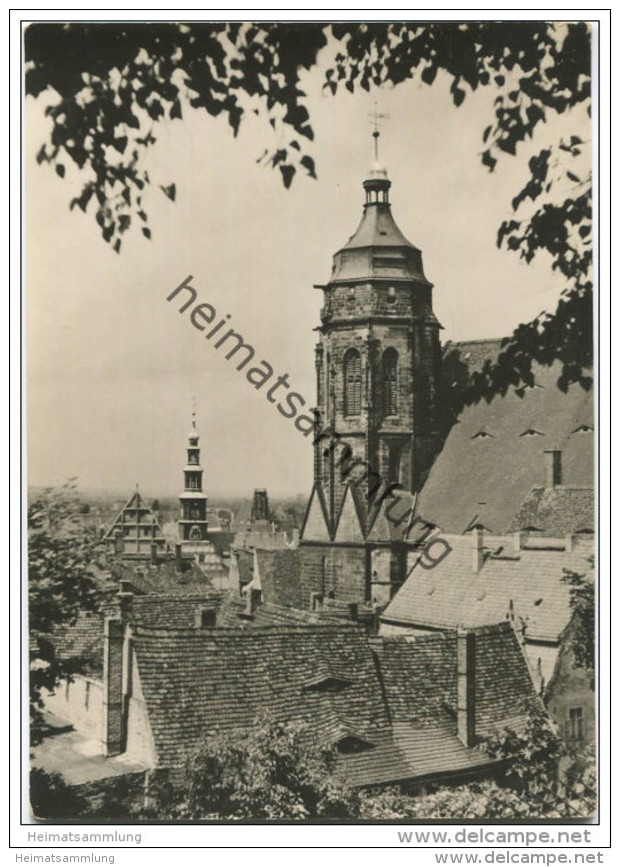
pixel 194 534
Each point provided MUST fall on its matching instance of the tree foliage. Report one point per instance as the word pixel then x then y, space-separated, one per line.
pixel 52 798
pixel 531 755
pixel 278 771
pixel 484 799
pixel 583 622
pixel 61 583
pixel 109 86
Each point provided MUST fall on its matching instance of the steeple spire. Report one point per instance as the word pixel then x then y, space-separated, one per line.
pixel 376 117
pixel 377 184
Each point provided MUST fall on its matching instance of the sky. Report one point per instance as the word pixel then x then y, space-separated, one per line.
pixel 112 367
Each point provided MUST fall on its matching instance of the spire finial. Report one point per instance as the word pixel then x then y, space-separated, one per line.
pixel 376 117
pixel 194 412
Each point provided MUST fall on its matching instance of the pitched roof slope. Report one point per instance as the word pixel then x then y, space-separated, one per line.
pixel 280 577
pixel 199 680
pixel 396 697
pixel 452 594
pixel 555 511
pixel 493 455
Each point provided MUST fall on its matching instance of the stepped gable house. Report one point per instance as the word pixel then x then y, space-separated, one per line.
pixel 136 534
pixel 385 467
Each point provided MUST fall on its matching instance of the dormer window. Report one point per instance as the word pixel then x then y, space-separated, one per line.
pixel 206 618
pixel 327 684
pixel 530 432
pixel 583 428
pixel 482 435
pixel 352 744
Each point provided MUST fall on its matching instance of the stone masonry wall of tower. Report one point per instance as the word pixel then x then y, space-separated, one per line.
pixel 378 301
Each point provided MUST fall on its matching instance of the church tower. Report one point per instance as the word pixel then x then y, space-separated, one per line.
pixel 193 521
pixel 377 361
pixel 377 376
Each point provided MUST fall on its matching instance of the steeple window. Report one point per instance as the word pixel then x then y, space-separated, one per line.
pixel 352 382
pixel 390 382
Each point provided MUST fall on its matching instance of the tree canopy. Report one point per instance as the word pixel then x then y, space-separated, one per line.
pixel 61 584
pixel 583 622
pixel 109 85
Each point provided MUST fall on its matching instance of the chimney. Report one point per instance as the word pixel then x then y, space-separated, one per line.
pixel 113 723
pixel 569 542
pixel 153 554
pixel 518 540
pixel 178 558
pixel 255 597
pixel 124 587
pixel 553 467
pixel 466 686
pixel 477 550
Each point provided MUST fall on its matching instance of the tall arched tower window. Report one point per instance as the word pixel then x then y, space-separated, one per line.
pixel 390 382
pixel 352 382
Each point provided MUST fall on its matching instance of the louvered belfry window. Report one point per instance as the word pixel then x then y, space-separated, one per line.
pixel 352 382
pixel 390 382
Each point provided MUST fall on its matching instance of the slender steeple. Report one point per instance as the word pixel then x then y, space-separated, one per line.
pixel 193 522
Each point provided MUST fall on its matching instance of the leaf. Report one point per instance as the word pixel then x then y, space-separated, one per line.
pixel 458 96
pixel 175 110
pixel 429 74
pixel 573 177
pixel 288 173
pixel 488 160
pixel 60 170
pixel 146 232
pixel 170 191
pixel 308 163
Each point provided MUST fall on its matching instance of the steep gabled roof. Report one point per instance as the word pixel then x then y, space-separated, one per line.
pixel 494 454
pixel 165 577
pixel 394 698
pixel 81 642
pixel 315 526
pixel 195 681
pixel 280 577
pixel 452 594
pixel 556 511
pixel 134 515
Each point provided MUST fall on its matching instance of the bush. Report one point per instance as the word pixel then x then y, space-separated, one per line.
pixel 52 798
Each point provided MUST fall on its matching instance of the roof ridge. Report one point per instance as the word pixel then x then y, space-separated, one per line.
pixel 234 631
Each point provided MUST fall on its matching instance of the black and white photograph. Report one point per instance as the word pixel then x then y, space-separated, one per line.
pixel 311 433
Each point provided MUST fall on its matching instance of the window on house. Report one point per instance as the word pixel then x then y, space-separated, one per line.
pixel 394 464
pixel 207 618
pixel 482 435
pixel 352 744
pixel 574 725
pixel 390 381
pixel 352 382
pixel 530 432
